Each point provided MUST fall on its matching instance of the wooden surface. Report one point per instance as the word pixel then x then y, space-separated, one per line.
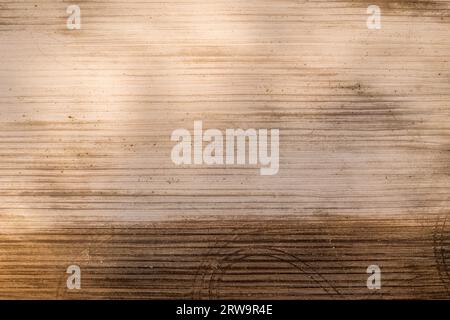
pixel 86 176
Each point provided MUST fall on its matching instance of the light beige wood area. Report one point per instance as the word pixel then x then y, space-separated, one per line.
pixel 86 175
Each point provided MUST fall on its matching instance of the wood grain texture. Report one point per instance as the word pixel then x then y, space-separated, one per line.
pixel 86 176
